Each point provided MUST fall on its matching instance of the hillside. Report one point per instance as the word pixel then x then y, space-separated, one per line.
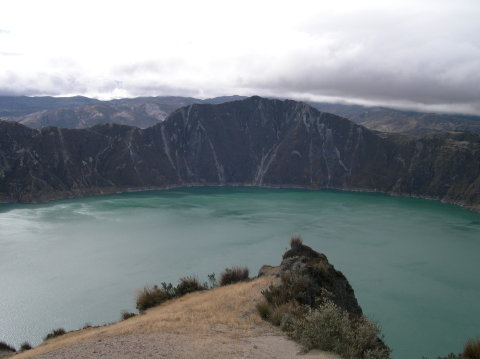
pixel 253 142
pixel 219 323
pixel 390 120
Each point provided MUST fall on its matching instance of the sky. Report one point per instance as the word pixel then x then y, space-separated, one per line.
pixel 422 55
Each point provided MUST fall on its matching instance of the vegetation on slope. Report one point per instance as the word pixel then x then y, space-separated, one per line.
pixel 315 315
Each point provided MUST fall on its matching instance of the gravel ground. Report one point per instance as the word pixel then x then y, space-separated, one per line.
pixel 183 346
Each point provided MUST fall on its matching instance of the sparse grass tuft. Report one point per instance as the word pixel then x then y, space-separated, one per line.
pixel 472 349
pixel 25 346
pixel 6 347
pixel 55 333
pixel 296 242
pixel 234 275
pixel 127 315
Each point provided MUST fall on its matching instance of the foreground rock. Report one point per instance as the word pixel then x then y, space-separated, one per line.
pixel 254 142
pixel 323 280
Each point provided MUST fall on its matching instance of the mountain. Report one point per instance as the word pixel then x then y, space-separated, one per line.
pixel 255 141
pixel 390 120
pixel 82 112
pixel 23 105
pixel 141 112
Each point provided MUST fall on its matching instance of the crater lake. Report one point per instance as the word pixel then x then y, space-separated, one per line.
pixel 412 263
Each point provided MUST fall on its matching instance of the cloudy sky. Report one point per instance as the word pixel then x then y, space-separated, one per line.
pixel 413 54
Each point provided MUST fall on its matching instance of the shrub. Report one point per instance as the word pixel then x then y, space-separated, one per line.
pixel 293 287
pixel 152 296
pixel 6 347
pixel 296 242
pixel 234 275
pixel 25 346
pixel 212 280
pixel 264 309
pixel 278 312
pixel 188 285
pixel 127 315
pixel 472 349
pixel 332 329
pixel 55 333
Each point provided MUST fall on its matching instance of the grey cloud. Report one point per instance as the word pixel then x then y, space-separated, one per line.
pixel 423 56
pixel 387 57
pixel 40 84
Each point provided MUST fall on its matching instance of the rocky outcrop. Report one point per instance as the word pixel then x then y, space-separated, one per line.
pixel 323 281
pixel 255 141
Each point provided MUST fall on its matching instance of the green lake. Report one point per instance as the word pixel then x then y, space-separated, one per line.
pixel 414 264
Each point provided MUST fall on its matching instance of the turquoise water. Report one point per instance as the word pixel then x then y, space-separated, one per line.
pixel 413 263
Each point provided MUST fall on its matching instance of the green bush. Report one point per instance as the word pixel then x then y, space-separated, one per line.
pixel 6 347
pixel 234 275
pixel 332 329
pixel 188 285
pixel 55 333
pixel 25 346
pixel 293 287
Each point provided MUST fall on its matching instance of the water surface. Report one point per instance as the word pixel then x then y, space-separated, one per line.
pixel 413 263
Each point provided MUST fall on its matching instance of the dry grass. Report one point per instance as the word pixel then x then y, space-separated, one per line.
pixel 222 308
pixel 234 275
pixel 55 333
pixel 472 349
pixel 296 242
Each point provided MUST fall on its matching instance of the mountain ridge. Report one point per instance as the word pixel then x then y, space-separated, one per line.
pixel 82 112
pixel 252 142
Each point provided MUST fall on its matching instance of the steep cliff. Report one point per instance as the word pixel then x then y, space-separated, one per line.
pixel 255 141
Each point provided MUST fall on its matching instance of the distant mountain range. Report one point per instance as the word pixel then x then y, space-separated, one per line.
pixel 252 142
pixel 82 112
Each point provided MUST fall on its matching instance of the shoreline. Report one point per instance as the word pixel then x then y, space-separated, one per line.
pixel 95 191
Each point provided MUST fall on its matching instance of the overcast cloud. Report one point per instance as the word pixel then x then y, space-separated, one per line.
pixel 415 54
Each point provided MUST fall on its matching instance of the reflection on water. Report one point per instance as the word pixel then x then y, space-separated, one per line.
pixel 413 263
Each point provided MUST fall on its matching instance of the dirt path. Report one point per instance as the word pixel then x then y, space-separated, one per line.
pixel 220 323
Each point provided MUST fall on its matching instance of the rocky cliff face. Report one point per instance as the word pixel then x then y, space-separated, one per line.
pixel 321 280
pixel 250 142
